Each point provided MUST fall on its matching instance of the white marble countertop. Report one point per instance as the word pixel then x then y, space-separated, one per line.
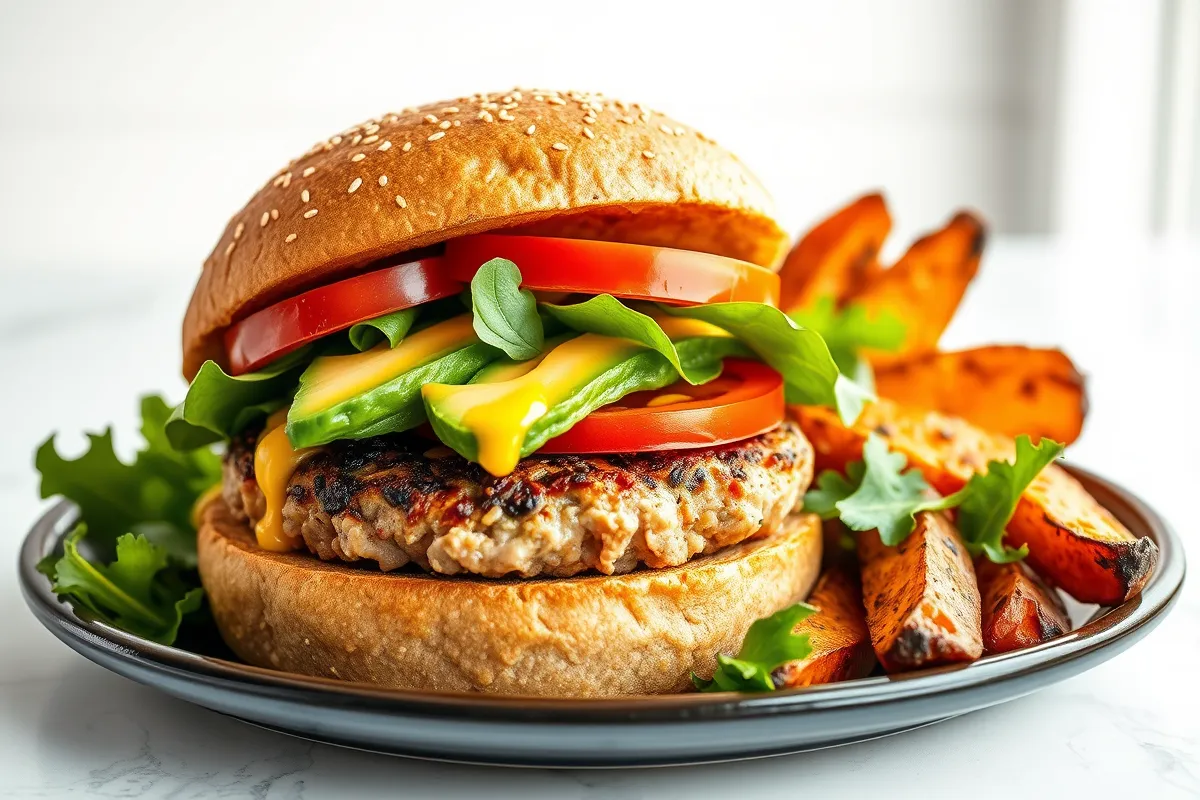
pixel 78 345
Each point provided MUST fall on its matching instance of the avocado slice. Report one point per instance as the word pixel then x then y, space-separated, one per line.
pixel 379 391
pixel 497 423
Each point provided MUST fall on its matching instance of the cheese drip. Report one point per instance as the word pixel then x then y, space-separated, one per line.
pixel 274 462
pixel 500 415
pixel 334 379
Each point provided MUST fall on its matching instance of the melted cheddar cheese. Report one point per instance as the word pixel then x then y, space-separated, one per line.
pixel 274 462
pixel 500 414
pixel 334 379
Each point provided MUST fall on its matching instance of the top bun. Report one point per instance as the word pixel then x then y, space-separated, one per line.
pixel 575 165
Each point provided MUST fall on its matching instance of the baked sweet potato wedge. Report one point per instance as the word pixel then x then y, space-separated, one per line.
pixel 1019 610
pixel 841 646
pixel 1074 542
pixel 921 598
pixel 925 287
pixel 836 256
pixel 1006 389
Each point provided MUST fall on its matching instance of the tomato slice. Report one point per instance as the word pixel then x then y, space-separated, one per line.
pixel 277 330
pixel 633 271
pixel 745 401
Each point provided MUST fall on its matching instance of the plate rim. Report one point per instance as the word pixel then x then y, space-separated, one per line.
pixel 1118 623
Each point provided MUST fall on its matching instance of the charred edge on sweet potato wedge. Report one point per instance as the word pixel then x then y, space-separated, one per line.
pixel 1074 542
pixel 921 598
pixel 1019 610
pixel 924 288
pixel 837 257
pixel 1008 389
pixel 841 644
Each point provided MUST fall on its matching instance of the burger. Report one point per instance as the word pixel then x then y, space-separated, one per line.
pixel 502 385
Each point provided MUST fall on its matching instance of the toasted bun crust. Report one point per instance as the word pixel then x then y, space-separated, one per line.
pixel 519 159
pixel 639 633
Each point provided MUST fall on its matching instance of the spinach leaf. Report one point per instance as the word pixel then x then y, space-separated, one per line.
pixel 608 316
pixel 505 315
pixel 393 327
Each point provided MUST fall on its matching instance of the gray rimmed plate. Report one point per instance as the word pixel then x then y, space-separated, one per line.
pixel 639 731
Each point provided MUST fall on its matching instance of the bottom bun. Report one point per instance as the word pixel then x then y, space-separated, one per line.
pixel 596 636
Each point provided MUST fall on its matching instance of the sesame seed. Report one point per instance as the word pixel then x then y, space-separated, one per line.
pixel 680 130
pixel 433 137
pixel 409 110
pixel 385 146
pixel 457 123
pixel 559 146
pixel 383 180
pixel 357 138
pixel 444 124
pixel 588 133
pixel 430 118
pixel 274 213
pixel 357 157
pixel 237 232
pixel 507 117
pixel 450 110
pixel 531 129
pixel 665 128
pixel 354 186
pixel 648 153
pixel 372 139
pixel 485 116
pixel 264 219
pixel 312 212
pixel 558 101
pixel 589 119
pixel 291 237
pixel 627 120
pixel 400 201
pixel 336 140
pixel 229 248
pixel 371 129
pixel 304 196
pixel 309 171
pixel 407 146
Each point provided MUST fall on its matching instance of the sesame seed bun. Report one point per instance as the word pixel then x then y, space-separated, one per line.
pixel 573 164
pixel 638 633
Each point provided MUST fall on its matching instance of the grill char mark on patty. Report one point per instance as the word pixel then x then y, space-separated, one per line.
pixel 399 499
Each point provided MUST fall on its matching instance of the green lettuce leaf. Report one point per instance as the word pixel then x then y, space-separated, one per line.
pixel 769 644
pixel 987 502
pixel 608 316
pixel 152 496
pixel 878 494
pixel 849 330
pixel 887 498
pixel 218 406
pixel 138 592
pixel 505 315
pixel 798 354
pixel 832 488
pixel 392 327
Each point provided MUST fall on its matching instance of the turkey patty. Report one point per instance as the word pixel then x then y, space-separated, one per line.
pixel 398 499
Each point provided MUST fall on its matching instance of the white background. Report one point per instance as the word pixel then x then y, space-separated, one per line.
pixel 130 132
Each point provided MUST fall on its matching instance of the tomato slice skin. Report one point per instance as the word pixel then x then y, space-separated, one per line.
pixel 633 271
pixel 754 405
pixel 277 330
